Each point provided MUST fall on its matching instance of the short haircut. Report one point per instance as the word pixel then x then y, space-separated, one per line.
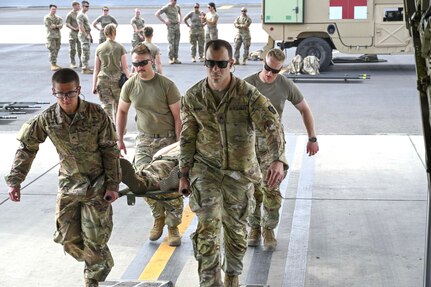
pixel 277 54
pixel 218 44
pixel 141 49
pixel 64 76
pixel 74 3
pixel 148 31
pixel 52 5
pixel 85 2
pixel 109 30
pixel 105 8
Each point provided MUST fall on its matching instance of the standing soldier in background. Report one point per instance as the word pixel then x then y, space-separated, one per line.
pixel 277 89
pixel 211 19
pixel 84 36
pixel 157 103
pixel 242 24
pixel 103 20
pixel 74 44
pixel 89 173
pixel 138 25
pixel 53 24
pixel 197 32
pixel 173 15
pixel 218 163
pixel 154 49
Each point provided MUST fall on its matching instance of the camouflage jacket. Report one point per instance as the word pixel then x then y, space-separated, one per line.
pixel 53 33
pixel 242 25
pixel 86 146
pixel 223 136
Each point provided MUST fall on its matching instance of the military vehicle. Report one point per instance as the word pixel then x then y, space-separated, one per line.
pixel 368 27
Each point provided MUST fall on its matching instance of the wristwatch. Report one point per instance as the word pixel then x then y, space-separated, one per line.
pixel 183 174
pixel 312 139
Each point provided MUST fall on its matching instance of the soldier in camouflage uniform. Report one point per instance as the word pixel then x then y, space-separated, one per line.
pixel 157 103
pixel 84 36
pixel 53 24
pixel 210 20
pixel 173 15
pixel 197 32
pixel 277 89
pixel 104 20
pixel 242 24
pixel 218 161
pixel 138 25
pixel 109 62
pixel 74 44
pixel 85 139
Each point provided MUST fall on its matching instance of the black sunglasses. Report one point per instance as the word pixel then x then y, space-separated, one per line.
pixel 86 6
pixel 141 63
pixel 220 64
pixel 269 69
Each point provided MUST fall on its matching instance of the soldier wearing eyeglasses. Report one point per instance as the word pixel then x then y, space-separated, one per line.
pixel 85 139
pixel 278 90
pixel 218 161
pixel 156 100
pixel 242 24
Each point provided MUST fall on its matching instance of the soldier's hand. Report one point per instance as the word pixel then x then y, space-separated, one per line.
pixel 275 174
pixel 121 147
pixel 111 196
pixel 312 148
pixel 15 193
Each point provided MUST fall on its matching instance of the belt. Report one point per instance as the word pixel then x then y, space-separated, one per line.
pixel 156 136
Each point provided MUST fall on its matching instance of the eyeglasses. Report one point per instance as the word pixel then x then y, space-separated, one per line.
pixel 269 69
pixel 68 95
pixel 141 63
pixel 220 64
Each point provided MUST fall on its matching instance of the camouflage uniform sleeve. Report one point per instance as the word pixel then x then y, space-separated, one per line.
pixel 110 153
pixel 188 135
pixel 267 121
pixel 47 22
pixel 31 135
pixel 60 23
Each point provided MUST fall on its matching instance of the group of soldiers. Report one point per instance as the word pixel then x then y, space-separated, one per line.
pixel 80 32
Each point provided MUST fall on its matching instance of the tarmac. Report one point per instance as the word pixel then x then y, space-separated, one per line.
pixel 353 215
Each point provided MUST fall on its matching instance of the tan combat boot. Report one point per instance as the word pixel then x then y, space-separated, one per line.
pixel 176 61
pixel 231 280
pixel 157 229
pixel 174 238
pixel 193 59
pixel 87 71
pixel 171 61
pixel 55 67
pixel 254 236
pixel 236 62
pixel 269 241
pixel 244 61
pixel 73 66
pixel 89 282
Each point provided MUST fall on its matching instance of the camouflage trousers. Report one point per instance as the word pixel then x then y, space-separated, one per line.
pixel 102 37
pixel 85 47
pixel 84 225
pixel 238 41
pixel 174 40
pixel 211 33
pixel 151 175
pixel 53 46
pixel 109 93
pixel 145 147
pixel 197 42
pixel 74 47
pixel 271 198
pixel 219 200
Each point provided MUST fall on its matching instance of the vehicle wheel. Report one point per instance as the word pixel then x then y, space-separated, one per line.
pixel 316 47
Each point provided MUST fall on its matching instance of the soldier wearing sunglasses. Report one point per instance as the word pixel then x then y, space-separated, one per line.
pixel 218 163
pixel 156 100
pixel 278 89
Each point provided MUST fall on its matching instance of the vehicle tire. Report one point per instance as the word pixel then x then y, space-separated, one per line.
pixel 316 47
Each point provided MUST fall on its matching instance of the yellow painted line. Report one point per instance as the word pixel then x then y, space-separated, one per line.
pixel 225 7
pixel 158 262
